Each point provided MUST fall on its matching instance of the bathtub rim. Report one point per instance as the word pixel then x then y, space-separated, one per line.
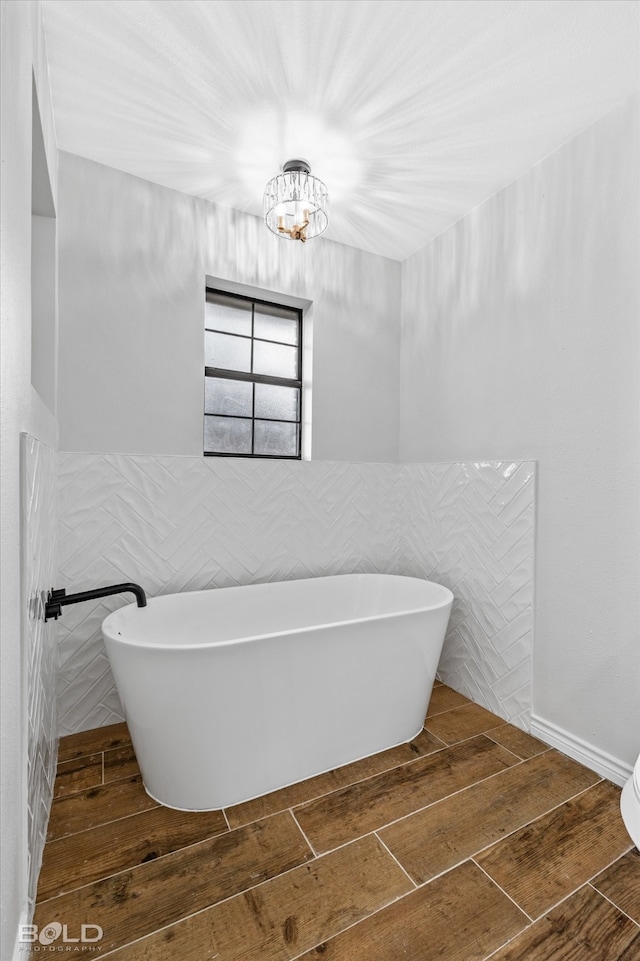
pixel 109 634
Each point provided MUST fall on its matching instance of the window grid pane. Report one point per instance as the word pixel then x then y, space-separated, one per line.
pixel 275 438
pixel 274 402
pixel 275 328
pixel 228 435
pixel 269 359
pixel 228 352
pixel 278 360
pixel 227 314
pixel 228 397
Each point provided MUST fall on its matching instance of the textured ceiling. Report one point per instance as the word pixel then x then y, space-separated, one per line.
pixel 412 111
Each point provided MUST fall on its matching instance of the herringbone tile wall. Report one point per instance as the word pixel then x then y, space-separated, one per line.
pixel 188 523
pixel 471 527
pixel 39 466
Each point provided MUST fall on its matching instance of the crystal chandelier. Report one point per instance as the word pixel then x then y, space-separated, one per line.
pixel 296 204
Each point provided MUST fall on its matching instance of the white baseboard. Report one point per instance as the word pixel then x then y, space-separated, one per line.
pixel 592 757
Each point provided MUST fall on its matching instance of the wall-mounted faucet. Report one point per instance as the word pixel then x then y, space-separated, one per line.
pixel 59 599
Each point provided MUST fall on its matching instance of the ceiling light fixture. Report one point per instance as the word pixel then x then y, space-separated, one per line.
pixel 296 204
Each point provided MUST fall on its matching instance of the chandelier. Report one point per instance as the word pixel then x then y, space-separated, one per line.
pixel 296 204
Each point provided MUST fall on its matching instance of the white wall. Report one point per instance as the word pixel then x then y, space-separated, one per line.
pixel 133 259
pixel 22 50
pixel 44 348
pixel 520 331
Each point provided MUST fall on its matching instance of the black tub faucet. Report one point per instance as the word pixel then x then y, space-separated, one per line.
pixel 59 599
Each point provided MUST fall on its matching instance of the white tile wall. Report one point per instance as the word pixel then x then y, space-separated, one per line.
pixel 471 527
pixel 188 523
pixel 39 465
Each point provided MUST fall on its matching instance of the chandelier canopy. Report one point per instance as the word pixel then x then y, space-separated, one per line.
pixel 296 204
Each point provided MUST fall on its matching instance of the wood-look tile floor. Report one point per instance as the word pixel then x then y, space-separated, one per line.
pixel 473 841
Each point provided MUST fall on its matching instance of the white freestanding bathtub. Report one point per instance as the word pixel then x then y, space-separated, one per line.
pixel 232 693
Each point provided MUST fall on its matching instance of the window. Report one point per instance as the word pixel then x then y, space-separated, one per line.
pixel 253 377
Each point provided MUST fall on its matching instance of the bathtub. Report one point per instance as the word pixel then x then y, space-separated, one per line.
pixel 235 692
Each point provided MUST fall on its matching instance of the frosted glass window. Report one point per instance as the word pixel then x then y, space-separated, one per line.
pixel 274 438
pixel 276 323
pixel 277 403
pixel 227 435
pixel 228 314
pixel 253 380
pixel 227 351
pixel 275 359
pixel 222 396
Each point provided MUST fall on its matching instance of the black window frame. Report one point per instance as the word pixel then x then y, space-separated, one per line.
pixel 250 377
